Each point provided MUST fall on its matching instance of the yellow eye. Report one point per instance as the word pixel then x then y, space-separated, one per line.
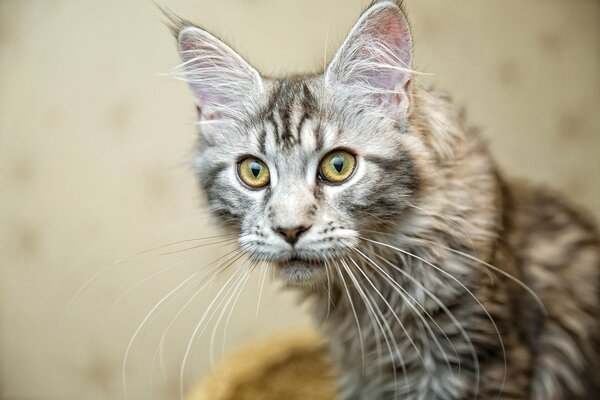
pixel 337 166
pixel 253 172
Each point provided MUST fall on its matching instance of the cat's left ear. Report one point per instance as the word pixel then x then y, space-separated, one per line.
pixel 224 85
pixel 373 64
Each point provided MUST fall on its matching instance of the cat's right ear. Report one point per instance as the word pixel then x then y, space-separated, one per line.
pixel 223 83
pixel 372 68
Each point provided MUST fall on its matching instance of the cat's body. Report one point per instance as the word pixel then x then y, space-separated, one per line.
pixel 550 353
pixel 431 276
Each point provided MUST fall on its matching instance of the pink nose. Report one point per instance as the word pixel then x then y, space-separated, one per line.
pixel 291 235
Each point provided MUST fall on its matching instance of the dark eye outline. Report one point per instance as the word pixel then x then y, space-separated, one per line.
pixel 244 182
pixel 322 176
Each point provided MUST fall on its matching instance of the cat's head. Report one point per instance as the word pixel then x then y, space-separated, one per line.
pixel 304 168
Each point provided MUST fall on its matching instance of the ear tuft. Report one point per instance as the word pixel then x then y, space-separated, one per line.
pixel 174 22
pixel 223 83
pixel 373 65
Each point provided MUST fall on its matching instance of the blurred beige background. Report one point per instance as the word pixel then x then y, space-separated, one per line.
pixel 94 145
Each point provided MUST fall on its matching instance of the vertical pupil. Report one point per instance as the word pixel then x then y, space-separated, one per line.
pixel 255 168
pixel 337 163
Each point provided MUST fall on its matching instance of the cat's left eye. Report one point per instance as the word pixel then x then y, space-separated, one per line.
pixel 337 166
pixel 253 172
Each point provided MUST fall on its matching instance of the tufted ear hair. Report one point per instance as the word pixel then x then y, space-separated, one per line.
pixel 373 65
pixel 223 83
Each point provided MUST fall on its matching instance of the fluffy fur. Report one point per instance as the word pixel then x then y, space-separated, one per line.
pixel 431 275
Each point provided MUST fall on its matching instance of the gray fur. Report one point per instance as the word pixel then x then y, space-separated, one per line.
pixel 429 274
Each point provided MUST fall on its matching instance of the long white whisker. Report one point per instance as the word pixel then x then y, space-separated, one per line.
pixel 141 325
pixel 465 288
pixel 447 312
pixel 231 300
pixel 402 361
pixel 89 282
pixel 328 288
pixel 379 318
pixel 417 313
pixel 516 280
pixel 216 266
pixel 252 267
pixel 227 241
pixel 221 265
pixel 199 325
pixel 263 278
pixel 360 335
pixel 138 284
pixel 389 306
pixel 452 221
pixel 185 241
pixel 104 270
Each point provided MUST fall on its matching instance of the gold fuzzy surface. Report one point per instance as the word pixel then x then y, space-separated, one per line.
pixel 290 366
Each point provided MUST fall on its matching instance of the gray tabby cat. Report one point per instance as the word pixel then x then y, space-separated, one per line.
pixel 431 275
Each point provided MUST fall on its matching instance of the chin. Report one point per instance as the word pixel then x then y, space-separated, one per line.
pixel 301 273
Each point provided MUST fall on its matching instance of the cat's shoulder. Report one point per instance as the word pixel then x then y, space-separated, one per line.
pixel 538 209
pixel 556 247
pixel 547 232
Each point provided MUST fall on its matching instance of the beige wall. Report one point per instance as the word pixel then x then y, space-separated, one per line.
pixel 94 144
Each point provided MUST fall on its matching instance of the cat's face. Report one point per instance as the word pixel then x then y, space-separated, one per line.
pixel 303 168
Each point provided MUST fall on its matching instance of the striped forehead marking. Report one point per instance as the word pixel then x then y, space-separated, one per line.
pixel 291 105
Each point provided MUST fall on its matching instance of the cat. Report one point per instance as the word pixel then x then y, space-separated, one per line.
pixel 430 274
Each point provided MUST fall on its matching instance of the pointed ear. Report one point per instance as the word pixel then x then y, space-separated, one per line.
pixel 223 84
pixel 373 65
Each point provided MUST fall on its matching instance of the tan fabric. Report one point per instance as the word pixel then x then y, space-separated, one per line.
pixel 291 366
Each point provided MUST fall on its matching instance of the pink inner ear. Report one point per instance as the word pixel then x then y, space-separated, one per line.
pixel 392 28
pixel 221 81
pixel 204 63
pixel 378 51
pixel 374 62
pixel 391 49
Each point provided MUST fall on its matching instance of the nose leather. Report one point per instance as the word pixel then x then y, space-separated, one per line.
pixel 291 235
pixel 292 207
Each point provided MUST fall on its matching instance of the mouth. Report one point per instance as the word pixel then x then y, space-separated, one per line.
pixel 296 259
pixel 301 271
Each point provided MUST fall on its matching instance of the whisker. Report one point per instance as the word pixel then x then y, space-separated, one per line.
pixel 452 221
pixel 203 318
pixel 168 268
pixel 251 268
pixel 216 266
pixel 185 241
pixel 402 361
pixel 389 306
pixel 221 266
pixel 139 328
pixel 263 278
pixel 93 278
pixel 516 280
pixel 87 283
pixel 417 313
pixel 328 288
pixel 446 311
pixel 235 275
pixel 462 286
pixel 360 335
pixel 377 315
pixel 231 300
pixel 229 241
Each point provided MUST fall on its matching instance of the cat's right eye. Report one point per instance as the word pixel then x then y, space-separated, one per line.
pixel 253 172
